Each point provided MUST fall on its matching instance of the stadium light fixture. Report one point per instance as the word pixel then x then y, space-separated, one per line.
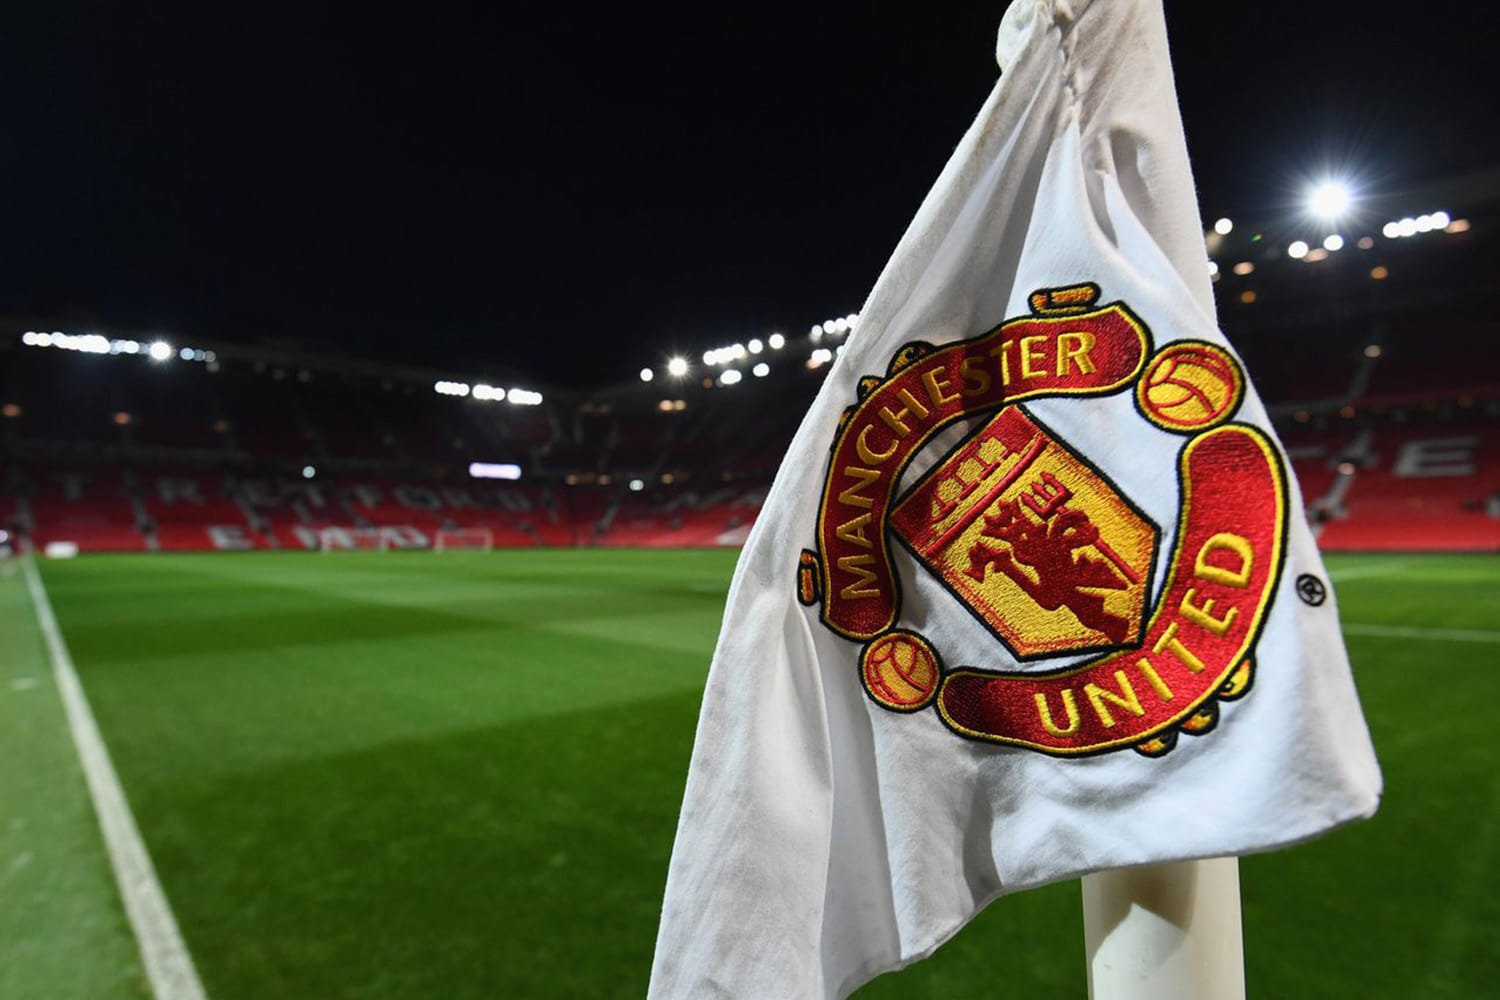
pixel 1333 242
pixel 647 374
pixel 446 388
pixel 677 367
pixel 1329 200
pixel 159 350
pixel 1297 250
pixel 761 370
pixel 636 485
pixel 308 472
pixel 731 377
pixel 524 397
pixel 755 346
pixel 777 341
pixel 494 470
pixel 1224 227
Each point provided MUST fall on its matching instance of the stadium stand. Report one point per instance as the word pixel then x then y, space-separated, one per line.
pixel 1376 361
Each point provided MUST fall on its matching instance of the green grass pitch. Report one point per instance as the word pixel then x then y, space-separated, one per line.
pixel 457 775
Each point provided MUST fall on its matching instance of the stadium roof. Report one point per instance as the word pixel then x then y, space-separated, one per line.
pixel 565 195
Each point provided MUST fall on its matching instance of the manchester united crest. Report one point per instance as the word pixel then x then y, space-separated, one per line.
pixel 1032 539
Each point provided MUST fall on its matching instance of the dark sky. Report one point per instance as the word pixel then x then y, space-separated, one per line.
pixel 575 190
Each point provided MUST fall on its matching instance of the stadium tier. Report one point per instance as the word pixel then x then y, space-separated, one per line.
pixel 1377 362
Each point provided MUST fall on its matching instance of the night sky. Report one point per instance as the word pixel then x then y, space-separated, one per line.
pixel 572 192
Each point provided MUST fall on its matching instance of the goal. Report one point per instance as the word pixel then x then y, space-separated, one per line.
pixel 341 539
pixel 476 539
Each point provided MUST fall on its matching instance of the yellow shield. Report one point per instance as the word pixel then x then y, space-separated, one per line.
pixel 1035 541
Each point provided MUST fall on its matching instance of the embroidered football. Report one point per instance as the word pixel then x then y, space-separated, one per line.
pixel 900 671
pixel 1190 386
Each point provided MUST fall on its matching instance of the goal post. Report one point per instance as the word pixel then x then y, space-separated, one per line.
pixel 466 539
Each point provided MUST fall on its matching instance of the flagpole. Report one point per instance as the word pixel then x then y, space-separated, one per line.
pixel 1165 932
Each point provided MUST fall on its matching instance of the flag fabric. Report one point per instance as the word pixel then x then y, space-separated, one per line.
pixel 1033 594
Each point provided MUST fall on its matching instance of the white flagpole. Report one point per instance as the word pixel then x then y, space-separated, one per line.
pixel 1165 932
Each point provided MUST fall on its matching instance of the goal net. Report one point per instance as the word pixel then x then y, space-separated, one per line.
pixel 472 539
pixel 342 539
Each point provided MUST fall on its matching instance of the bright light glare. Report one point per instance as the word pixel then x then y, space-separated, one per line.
pixel 488 392
pixel 1297 250
pixel 1329 200
pixel 1223 227
pixel 730 377
pixel 494 470
pixel 677 367
pixel 636 485
pixel 1333 242
pixel 756 346
pixel 451 388
pixel 524 397
pixel 308 472
pixel 159 350
pixel 777 341
pixel 647 374
pixel 761 370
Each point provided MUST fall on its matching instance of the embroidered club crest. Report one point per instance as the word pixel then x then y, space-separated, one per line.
pixel 1034 541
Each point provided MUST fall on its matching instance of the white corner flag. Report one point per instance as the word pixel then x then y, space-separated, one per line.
pixel 1032 595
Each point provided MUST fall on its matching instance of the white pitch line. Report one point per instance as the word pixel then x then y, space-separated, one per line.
pixel 169 967
pixel 1414 632
pixel 1355 572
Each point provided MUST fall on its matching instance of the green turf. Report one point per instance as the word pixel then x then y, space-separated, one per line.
pixel 401 774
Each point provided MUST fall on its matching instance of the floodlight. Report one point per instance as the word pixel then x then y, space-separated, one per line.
pixel 756 346
pixel 1333 242
pixel 186 354
pixel 677 367
pixel 1391 230
pixel 308 472
pixel 494 470
pixel 1329 200
pixel 647 375
pixel 1224 227
pixel 636 485
pixel 730 377
pixel 159 350
pixel 761 370
pixel 1297 250
pixel 777 341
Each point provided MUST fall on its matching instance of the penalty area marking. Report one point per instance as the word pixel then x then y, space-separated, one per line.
pixel 1414 632
pixel 169 967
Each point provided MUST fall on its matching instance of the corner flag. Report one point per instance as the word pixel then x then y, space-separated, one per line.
pixel 1033 595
